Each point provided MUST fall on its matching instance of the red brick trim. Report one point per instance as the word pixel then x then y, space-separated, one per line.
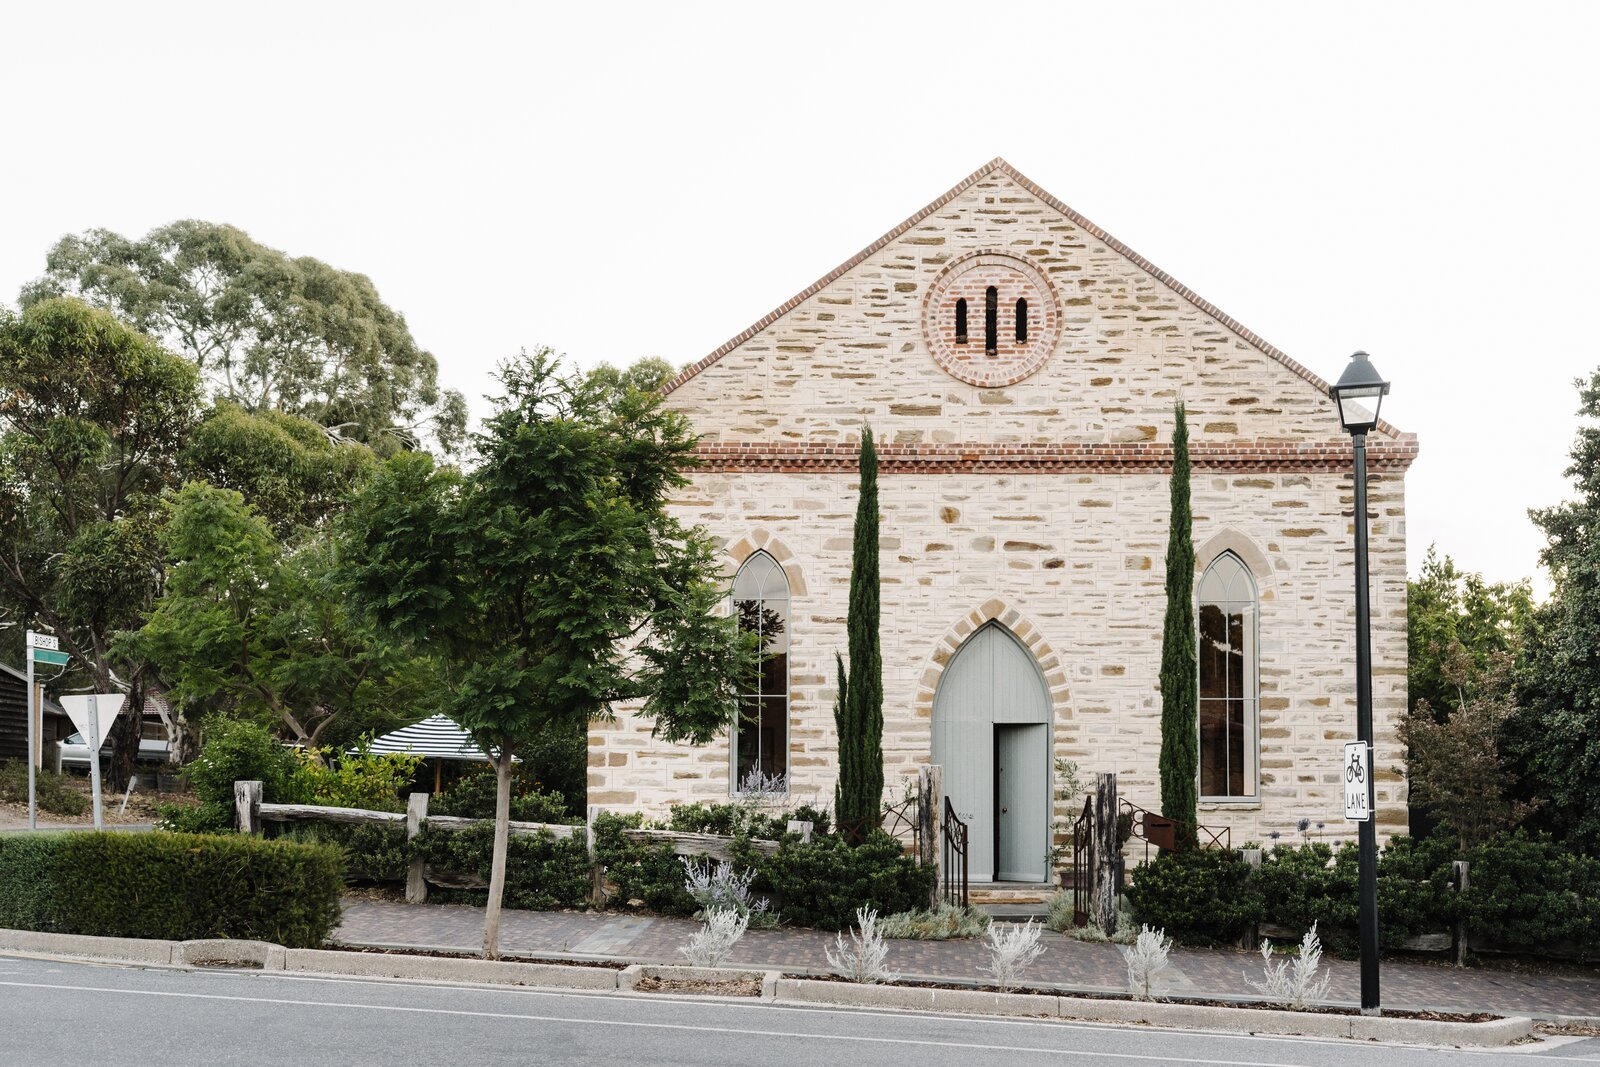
pixel 1001 166
pixel 1264 456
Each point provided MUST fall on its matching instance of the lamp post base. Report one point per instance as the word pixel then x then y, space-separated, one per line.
pixel 1371 1011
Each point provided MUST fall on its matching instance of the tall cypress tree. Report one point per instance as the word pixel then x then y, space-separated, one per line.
pixel 1180 730
pixel 860 796
pixel 842 723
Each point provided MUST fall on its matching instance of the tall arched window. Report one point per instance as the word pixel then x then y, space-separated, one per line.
pixel 1228 673
pixel 1022 320
pixel 761 742
pixel 991 319
pixel 961 321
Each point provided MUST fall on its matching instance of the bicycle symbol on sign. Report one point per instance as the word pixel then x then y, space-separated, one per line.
pixel 1356 771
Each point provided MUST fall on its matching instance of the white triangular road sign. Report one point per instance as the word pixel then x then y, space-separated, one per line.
pixel 108 707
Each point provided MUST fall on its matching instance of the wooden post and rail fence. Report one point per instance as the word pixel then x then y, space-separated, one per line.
pixel 252 815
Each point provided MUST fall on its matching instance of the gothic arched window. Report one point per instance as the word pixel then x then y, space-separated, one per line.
pixel 1228 676
pixel 761 741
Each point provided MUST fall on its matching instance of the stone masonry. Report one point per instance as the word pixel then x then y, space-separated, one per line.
pixel 1041 503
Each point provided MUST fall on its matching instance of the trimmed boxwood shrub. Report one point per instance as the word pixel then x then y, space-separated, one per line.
pixel 1535 893
pixel 171 886
pixel 1199 896
pixel 373 852
pixel 650 874
pixel 1315 883
pixel 472 796
pixel 821 884
pixel 542 871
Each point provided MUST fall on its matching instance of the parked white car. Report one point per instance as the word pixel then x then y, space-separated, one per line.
pixel 74 752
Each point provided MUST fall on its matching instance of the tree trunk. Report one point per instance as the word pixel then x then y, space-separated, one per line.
pixel 497 870
pixel 126 733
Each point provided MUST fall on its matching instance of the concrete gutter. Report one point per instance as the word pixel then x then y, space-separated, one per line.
pixel 265 956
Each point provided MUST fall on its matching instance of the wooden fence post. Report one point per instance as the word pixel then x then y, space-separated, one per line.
pixel 1459 881
pixel 1104 855
pixel 247 806
pixel 597 870
pixel 416 815
pixel 932 814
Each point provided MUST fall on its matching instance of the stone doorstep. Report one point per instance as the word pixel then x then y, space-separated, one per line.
pixel 774 987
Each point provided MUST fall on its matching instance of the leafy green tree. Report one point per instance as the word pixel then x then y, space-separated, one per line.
pixel 859 795
pixel 552 581
pixel 249 629
pixel 93 415
pixel 1448 608
pixel 1180 730
pixel 267 331
pixel 1453 760
pixel 286 467
pixel 1554 738
pixel 649 374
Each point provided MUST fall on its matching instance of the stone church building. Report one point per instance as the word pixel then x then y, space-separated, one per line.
pixel 1019 367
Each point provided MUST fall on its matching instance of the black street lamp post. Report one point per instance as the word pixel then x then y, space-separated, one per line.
pixel 1359 393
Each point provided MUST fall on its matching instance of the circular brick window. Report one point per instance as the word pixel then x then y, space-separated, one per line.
pixel 991 319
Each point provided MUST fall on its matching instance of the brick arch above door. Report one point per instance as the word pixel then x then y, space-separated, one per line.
pixel 995 609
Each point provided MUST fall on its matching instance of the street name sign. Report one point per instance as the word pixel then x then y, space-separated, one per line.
pixel 37 640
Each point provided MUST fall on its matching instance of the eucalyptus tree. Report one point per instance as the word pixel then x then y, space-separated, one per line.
pixel 267 331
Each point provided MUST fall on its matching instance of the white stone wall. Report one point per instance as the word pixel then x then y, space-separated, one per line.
pixel 1072 560
pixel 1075 563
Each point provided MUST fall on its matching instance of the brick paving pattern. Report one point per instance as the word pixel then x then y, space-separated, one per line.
pixel 1555 990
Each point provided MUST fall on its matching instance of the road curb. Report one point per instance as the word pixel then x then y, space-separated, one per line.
pixel 268 956
pixel 1156 1013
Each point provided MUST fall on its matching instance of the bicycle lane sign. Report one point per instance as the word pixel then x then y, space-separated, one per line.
pixel 1357 773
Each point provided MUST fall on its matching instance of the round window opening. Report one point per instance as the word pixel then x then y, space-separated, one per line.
pixel 991 319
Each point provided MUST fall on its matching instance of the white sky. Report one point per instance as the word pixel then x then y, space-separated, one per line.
pixel 618 181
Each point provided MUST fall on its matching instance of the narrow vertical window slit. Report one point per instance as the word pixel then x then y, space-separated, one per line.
pixel 991 320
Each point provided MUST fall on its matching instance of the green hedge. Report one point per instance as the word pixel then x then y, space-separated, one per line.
pixel 542 871
pixel 171 886
pixel 1529 894
pixel 1199 897
pixel 821 884
pixel 650 874
pixel 373 852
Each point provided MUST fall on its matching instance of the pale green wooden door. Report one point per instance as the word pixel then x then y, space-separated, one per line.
pixel 991 686
pixel 1022 786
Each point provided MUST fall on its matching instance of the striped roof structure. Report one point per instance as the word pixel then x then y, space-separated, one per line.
pixel 435 738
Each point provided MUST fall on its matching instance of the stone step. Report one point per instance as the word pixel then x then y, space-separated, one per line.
pixel 1009 893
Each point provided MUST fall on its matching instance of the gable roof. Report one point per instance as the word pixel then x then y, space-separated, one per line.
pixel 1000 166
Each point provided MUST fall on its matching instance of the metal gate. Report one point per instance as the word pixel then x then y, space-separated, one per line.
pixel 955 857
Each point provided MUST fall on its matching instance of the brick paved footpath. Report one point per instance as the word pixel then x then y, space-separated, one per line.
pixel 1502 988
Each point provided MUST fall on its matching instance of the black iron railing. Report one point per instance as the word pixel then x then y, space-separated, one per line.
pixel 903 822
pixel 1082 836
pixel 955 857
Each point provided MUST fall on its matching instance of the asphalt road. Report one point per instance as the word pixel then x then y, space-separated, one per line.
pixel 55 1013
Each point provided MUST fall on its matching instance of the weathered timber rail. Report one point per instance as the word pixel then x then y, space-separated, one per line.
pixel 251 814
